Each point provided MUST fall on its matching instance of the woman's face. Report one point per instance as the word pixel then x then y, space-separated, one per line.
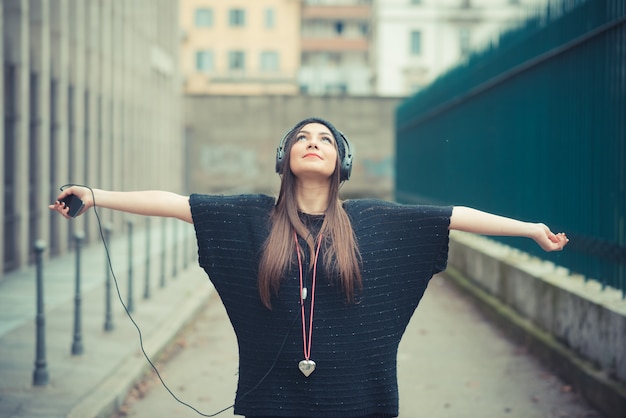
pixel 314 152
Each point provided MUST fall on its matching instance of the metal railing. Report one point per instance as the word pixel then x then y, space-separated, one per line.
pixel 178 253
pixel 533 128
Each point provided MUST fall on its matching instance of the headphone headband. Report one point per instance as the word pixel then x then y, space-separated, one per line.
pixel 345 152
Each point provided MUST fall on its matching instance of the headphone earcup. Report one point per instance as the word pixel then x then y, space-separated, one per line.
pixel 280 153
pixel 346 162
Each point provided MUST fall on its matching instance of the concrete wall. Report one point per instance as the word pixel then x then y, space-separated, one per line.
pixel 573 324
pixel 232 140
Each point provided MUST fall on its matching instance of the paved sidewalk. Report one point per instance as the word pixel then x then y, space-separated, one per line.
pixel 93 383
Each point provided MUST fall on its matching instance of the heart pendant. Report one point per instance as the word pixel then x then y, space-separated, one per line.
pixel 307 367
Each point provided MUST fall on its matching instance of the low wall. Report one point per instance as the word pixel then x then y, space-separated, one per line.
pixel 575 326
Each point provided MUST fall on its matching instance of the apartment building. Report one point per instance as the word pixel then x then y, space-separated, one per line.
pixel 417 40
pixel 288 47
pixel 240 47
pixel 334 47
pixel 337 48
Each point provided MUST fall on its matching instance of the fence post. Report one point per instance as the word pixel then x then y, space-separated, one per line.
pixel 129 304
pixel 77 343
pixel 40 375
pixel 146 289
pixel 108 317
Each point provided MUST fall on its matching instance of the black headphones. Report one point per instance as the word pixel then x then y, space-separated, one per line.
pixel 346 160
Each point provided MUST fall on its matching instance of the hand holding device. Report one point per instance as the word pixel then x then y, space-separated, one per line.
pixel 74 203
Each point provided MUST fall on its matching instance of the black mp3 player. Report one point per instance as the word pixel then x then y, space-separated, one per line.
pixel 74 203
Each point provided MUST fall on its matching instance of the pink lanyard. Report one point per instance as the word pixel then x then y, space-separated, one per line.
pixel 307 344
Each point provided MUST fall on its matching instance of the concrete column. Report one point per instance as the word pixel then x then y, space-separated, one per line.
pixel 145 107
pixel 175 90
pixel 115 51
pixel 59 152
pixel 105 108
pixel 77 74
pixel 92 87
pixel 2 139
pixel 40 46
pixel 139 122
pixel 16 34
pixel 130 165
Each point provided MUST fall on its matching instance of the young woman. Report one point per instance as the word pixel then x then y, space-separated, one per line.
pixel 319 291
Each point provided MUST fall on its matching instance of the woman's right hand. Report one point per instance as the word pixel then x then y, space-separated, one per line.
pixel 82 193
pixel 145 203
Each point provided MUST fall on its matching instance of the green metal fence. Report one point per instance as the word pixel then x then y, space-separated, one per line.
pixel 532 128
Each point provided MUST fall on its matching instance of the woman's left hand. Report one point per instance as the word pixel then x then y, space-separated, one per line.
pixel 548 240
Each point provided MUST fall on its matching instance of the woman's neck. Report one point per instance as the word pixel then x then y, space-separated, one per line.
pixel 312 198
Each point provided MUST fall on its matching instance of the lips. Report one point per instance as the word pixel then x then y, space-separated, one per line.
pixel 309 155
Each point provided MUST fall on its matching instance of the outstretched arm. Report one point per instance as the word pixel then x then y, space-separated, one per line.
pixel 149 203
pixel 472 220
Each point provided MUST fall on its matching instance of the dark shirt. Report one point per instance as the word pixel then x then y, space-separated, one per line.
pixel 354 345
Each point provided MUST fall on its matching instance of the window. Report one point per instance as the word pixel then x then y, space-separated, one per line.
pixel 204 61
pixel 204 18
pixel 237 17
pixel 339 26
pixel 364 29
pixel 269 61
pixel 416 42
pixel 236 60
pixel 270 18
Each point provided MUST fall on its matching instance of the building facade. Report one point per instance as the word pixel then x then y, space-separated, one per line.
pixel 417 40
pixel 334 47
pixel 277 47
pixel 337 49
pixel 240 48
pixel 91 95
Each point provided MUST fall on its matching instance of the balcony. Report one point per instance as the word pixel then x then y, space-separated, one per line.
pixel 336 43
pixel 355 12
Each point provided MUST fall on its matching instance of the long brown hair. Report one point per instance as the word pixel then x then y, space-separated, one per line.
pixel 341 253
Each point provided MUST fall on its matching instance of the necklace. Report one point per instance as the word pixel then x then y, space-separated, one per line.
pixel 307 366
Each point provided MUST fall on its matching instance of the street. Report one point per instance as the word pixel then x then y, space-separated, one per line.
pixel 451 363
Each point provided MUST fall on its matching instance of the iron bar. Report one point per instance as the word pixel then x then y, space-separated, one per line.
pixel 146 288
pixel 40 375
pixel 129 304
pixel 108 315
pixel 77 342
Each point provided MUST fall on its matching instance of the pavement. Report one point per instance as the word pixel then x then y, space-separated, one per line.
pixel 452 361
pixel 95 382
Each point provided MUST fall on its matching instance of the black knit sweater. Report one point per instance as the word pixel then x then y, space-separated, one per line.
pixel 353 345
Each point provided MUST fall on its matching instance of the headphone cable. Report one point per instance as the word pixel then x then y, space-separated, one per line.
pixel 156 371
